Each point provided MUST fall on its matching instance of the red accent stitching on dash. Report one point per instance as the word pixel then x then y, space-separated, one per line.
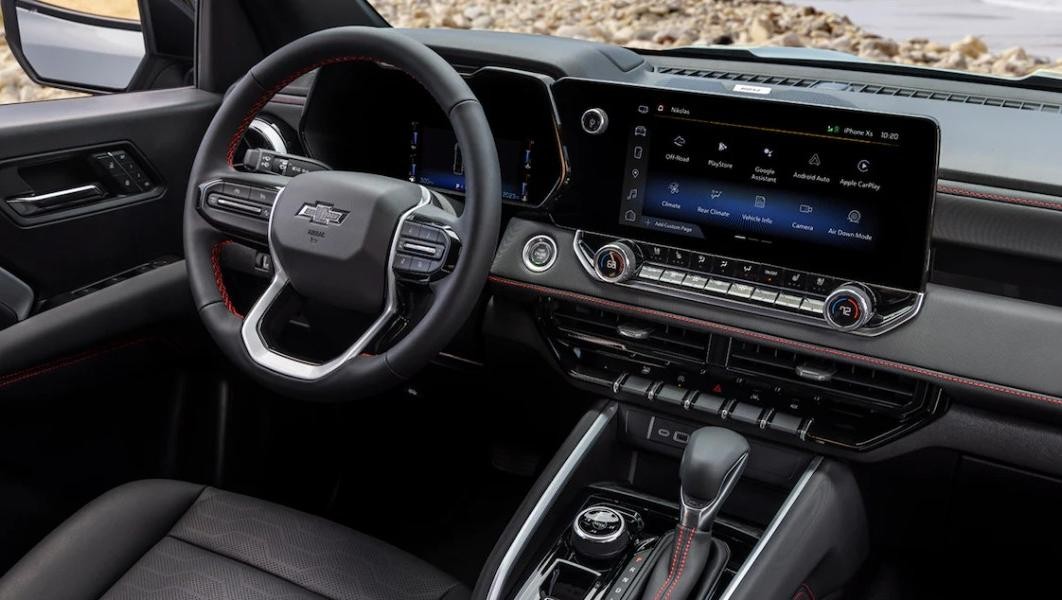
pixel 703 324
pixel 259 104
pixel 674 560
pixel 682 565
pixel 957 191
pixel 219 277
pixel 29 373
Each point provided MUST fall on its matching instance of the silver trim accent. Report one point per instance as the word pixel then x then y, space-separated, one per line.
pixel 889 322
pixel 81 192
pixel 526 254
pixel 862 298
pixel 545 502
pixel 776 522
pixel 264 356
pixel 701 518
pixel 593 537
pixel 270 133
pixel 811 373
pixel 600 114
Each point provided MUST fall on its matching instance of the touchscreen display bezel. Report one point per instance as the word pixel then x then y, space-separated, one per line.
pixel 898 259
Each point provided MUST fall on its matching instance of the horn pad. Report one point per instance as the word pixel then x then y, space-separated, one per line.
pixel 331 233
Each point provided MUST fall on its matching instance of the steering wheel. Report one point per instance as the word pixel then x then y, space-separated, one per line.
pixel 356 242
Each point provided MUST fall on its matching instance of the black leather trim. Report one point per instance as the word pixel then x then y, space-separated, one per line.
pixel 156 296
pixel 825 531
pixel 85 555
pixel 157 538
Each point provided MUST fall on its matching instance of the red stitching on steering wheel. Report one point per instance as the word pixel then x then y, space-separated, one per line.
pixel 219 277
pixel 259 104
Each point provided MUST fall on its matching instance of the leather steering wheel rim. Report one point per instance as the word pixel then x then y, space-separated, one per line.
pixel 364 374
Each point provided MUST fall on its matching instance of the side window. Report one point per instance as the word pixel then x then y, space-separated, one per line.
pixel 65 48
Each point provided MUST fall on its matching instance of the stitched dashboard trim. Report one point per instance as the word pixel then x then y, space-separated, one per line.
pixel 779 341
pixel 960 191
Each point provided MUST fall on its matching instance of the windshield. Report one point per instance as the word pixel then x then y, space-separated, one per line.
pixel 1010 38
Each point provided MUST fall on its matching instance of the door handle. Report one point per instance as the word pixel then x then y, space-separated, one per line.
pixel 37 203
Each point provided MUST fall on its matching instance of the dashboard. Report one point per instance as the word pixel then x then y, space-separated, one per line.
pixel 923 220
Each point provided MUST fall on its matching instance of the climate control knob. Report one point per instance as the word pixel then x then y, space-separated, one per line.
pixel 615 262
pixel 848 307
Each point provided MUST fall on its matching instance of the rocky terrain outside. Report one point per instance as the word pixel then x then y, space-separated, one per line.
pixel 650 24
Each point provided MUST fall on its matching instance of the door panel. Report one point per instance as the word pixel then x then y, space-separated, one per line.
pixel 93 240
pixel 64 254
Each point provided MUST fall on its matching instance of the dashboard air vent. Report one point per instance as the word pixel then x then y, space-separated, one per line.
pixel 628 336
pixel 885 391
pixel 864 88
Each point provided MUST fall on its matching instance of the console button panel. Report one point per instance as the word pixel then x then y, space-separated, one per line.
pixel 749 286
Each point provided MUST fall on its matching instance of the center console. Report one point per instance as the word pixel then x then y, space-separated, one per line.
pixel 818 215
pixel 618 515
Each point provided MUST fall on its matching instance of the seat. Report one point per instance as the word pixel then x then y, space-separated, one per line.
pixel 176 540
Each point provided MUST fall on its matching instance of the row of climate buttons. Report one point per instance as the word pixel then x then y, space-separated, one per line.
pixel 696 281
pixel 658 392
pixel 797 281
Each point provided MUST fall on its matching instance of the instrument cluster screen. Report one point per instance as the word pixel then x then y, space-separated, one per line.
pixel 435 160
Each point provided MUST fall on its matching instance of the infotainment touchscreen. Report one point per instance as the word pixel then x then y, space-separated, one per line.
pixel 827 190
pixel 699 177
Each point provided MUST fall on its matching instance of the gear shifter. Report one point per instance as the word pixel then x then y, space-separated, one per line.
pixel 711 466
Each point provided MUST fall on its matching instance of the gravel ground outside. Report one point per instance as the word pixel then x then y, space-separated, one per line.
pixel 650 24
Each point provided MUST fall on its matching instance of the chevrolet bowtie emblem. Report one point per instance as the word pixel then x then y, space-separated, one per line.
pixel 322 214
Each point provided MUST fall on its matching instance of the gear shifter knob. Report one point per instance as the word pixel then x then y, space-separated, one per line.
pixel 711 465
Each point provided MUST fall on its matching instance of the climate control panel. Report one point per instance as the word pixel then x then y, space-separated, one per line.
pixel 769 290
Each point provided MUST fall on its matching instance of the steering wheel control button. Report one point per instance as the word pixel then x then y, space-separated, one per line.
pixel 615 263
pixel 540 252
pixel 594 121
pixel 848 307
pixel 600 533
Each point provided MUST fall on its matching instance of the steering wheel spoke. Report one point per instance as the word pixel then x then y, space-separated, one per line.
pixel 240 203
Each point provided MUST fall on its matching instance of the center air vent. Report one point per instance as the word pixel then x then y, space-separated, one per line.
pixel 865 88
pixel 887 392
pixel 632 337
